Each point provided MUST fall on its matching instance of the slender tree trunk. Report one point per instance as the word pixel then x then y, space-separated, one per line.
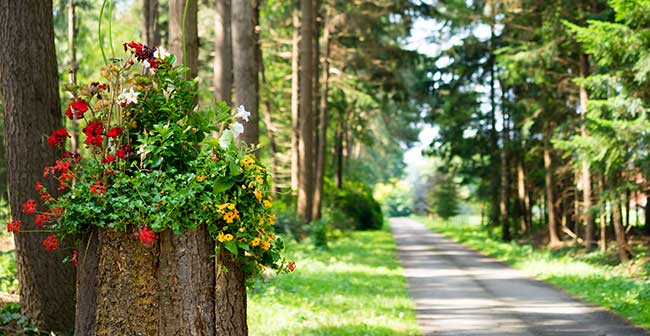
pixel 338 152
pixel 151 31
pixel 30 94
pixel 619 231
pixel 190 54
pixel 586 172
pixel 626 203
pixel 603 215
pixel 494 145
pixel 72 71
pixel 505 182
pixel 295 101
pixel 646 209
pixel 554 239
pixel 223 63
pixel 524 201
pixel 306 180
pixel 315 106
pixel 323 120
pixel 270 126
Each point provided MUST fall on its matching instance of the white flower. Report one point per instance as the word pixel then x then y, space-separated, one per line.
pixel 130 97
pixel 146 65
pixel 225 139
pixel 242 113
pixel 160 53
pixel 237 129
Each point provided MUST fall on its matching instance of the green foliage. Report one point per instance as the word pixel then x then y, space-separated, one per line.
pixel 356 201
pixel 355 287
pixel 589 276
pixel 396 197
pixel 445 198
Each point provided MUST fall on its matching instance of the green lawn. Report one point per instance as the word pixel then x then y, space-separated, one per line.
pixel 356 287
pixel 591 276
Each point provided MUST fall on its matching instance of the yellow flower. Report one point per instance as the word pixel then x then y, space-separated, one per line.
pixel 228 237
pixel 231 206
pixel 272 219
pixel 259 179
pixel 221 237
pixel 221 207
pixel 270 198
pixel 267 204
pixel 266 245
pixel 258 195
pixel 201 178
pixel 242 229
pixel 255 242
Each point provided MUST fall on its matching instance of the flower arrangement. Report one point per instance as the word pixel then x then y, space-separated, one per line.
pixel 154 163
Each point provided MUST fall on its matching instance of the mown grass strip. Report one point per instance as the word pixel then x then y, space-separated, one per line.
pixel 356 287
pixel 587 276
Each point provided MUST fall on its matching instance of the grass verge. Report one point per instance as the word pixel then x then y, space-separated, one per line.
pixel 355 287
pixel 589 276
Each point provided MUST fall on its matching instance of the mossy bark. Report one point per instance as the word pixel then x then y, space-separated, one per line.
pixel 165 289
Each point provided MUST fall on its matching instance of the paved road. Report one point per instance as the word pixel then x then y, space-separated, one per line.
pixel 459 292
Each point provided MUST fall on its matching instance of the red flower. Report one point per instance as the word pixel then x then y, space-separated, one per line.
pixel 98 188
pixel 41 219
pixel 108 159
pixel 57 137
pixel 45 196
pixel 14 225
pixel 57 212
pixel 50 243
pixel 134 45
pixel 291 266
pixel 123 152
pixel 94 131
pixel 29 207
pixel 114 132
pixel 74 156
pixel 77 109
pixel 74 258
pixel 146 236
pixel 39 186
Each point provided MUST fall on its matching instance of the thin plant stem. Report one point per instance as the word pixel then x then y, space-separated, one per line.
pixel 187 2
pixel 110 29
pixel 99 32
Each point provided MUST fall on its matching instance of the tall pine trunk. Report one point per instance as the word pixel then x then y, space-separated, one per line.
pixel 323 119
pixel 223 62
pixel 554 239
pixel 295 101
pixel 619 230
pixel 305 148
pixel 72 71
pixel 30 94
pixel 505 182
pixel 151 32
pixel 245 66
pixel 523 199
pixel 338 151
pixel 602 243
pixel 586 173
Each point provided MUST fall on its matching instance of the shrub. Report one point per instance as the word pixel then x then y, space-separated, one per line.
pixel 355 200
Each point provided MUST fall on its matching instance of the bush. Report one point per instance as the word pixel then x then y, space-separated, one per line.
pixel 355 200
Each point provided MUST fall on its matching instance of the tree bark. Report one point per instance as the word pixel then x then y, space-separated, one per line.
pixel 186 53
pixel 505 182
pixel 619 231
pixel 245 66
pixel 151 31
pixel 295 101
pixel 231 296
pixel 223 62
pixel 338 152
pixel 322 120
pixel 30 92
pixel 305 148
pixel 72 71
pixel 270 126
pixel 524 200
pixel 554 239
pixel 603 215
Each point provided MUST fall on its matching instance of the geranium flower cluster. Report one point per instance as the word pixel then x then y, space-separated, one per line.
pixel 150 164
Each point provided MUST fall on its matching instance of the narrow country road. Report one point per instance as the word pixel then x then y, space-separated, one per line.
pixel 459 292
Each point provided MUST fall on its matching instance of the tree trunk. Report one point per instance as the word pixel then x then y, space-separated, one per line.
pixel 306 180
pixel 30 93
pixel 619 231
pixel 494 145
pixel 505 182
pixel 245 66
pixel 586 173
pixel 322 122
pixel 295 101
pixel 187 52
pixel 603 215
pixel 223 62
pixel 270 126
pixel 315 106
pixel 338 152
pixel 72 71
pixel 231 296
pixel 554 239
pixel 524 201
pixel 151 31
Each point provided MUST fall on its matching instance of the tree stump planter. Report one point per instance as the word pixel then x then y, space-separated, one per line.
pixel 126 288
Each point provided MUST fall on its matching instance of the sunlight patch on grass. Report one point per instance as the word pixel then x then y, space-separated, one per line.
pixel 590 277
pixel 356 287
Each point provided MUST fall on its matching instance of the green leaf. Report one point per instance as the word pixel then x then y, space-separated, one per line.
pixel 231 246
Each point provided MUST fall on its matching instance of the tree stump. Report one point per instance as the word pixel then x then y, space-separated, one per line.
pixel 126 288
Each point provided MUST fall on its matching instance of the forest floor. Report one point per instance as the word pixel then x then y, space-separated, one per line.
pixel 459 291
pixel 353 287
